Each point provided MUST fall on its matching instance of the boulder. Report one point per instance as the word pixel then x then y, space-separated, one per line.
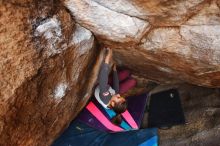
pixel 106 23
pixel 177 41
pixel 158 13
pixel 50 55
pixel 48 68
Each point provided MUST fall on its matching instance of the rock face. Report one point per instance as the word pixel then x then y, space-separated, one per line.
pixel 50 56
pixel 176 40
pixel 107 23
pixel 48 68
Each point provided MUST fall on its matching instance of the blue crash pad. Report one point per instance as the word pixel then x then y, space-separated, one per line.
pixel 80 134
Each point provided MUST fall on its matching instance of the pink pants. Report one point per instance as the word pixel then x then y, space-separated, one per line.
pixel 126 82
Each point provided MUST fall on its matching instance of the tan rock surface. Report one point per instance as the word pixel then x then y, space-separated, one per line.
pixel 49 57
pixel 182 44
pixel 157 12
pixel 48 68
pixel 106 23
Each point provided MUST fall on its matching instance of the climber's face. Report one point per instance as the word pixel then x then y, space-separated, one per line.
pixel 116 99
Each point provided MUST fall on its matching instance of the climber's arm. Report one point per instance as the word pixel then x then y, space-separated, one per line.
pixel 103 79
pixel 103 75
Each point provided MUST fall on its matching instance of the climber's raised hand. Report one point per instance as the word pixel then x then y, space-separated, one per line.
pixel 108 56
pixel 114 66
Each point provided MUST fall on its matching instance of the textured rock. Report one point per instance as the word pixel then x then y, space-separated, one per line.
pixel 47 70
pixel 49 57
pixel 106 23
pixel 158 12
pixel 182 43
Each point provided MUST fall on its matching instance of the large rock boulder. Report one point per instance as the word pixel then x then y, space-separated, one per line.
pixel 105 23
pixel 50 56
pixel 48 67
pixel 166 41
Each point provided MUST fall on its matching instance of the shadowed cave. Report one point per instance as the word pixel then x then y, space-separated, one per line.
pixel 51 52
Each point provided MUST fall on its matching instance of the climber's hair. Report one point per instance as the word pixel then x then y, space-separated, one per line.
pixel 119 108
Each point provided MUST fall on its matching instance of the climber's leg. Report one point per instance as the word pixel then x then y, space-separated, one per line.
pixel 123 74
pixel 127 85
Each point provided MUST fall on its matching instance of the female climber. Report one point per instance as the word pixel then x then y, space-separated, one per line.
pixel 108 96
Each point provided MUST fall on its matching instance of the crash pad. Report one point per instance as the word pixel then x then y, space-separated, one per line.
pixel 80 134
pixel 96 116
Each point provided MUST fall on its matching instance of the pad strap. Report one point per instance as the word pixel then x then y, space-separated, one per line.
pixel 101 117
